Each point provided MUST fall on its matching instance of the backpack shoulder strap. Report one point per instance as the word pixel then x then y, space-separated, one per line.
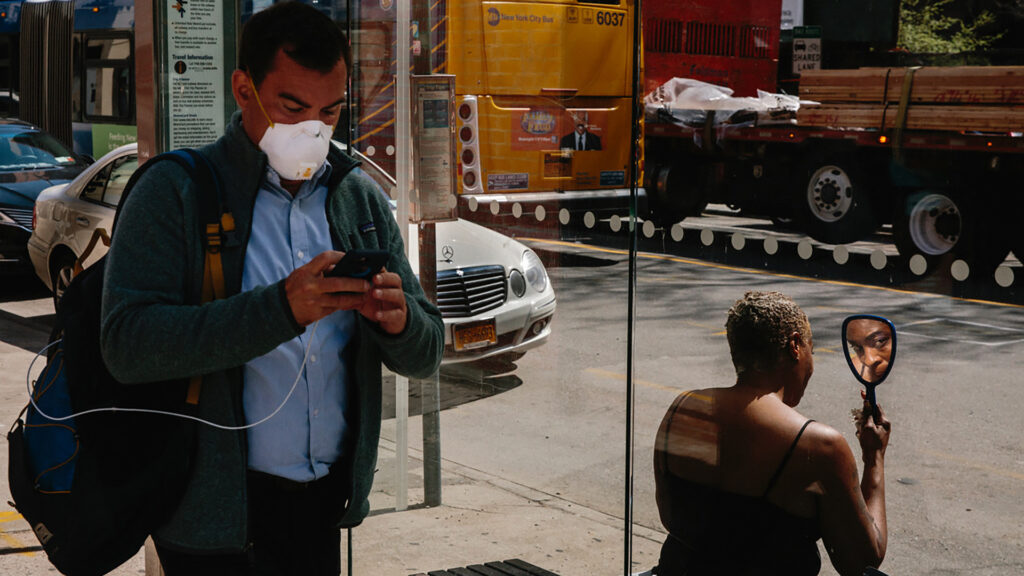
pixel 216 219
pixel 178 156
pixel 217 224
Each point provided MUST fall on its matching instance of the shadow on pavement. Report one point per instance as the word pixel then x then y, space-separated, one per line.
pixel 19 287
pixel 460 384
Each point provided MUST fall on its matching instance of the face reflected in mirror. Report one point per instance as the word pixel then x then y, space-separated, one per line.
pixel 869 343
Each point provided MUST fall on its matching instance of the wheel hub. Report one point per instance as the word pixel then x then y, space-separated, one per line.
pixel 830 194
pixel 935 224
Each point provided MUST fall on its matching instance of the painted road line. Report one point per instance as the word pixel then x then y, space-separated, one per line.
pixel 622 378
pixel 902 330
pixel 16 546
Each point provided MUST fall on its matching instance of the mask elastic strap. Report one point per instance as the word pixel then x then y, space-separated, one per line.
pixel 258 101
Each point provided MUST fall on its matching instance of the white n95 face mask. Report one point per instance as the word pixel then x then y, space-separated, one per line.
pixel 297 151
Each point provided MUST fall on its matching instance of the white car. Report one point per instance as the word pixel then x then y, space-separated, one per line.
pixel 493 291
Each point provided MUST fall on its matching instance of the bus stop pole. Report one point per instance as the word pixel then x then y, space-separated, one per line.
pixel 403 181
pixel 430 389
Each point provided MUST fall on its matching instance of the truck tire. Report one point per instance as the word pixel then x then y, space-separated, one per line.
pixel 936 223
pixel 673 194
pixel 834 200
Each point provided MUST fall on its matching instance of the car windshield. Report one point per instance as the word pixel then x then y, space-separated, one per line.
pixel 32 150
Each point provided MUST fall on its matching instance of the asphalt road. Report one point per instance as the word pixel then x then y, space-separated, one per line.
pixel 556 421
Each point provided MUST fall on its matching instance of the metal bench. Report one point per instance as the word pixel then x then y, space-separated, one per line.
pixel 514 567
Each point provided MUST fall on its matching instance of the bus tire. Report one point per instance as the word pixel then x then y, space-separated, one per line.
pixel 673 194
pixel 834 202
pixel 937 223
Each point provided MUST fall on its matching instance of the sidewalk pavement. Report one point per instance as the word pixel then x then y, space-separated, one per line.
pixel 483 518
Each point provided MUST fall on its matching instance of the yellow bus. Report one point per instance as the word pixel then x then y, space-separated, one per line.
pixel 542 92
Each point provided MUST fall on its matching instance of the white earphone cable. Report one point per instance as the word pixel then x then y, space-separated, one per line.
pixel 302 367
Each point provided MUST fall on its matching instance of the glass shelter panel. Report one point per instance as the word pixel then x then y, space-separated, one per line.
pixel 532 390
pixel 844 213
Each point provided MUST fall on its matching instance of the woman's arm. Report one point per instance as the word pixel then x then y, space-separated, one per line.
pixel 853 523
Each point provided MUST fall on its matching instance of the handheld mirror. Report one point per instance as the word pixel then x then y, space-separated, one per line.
pixel 869 343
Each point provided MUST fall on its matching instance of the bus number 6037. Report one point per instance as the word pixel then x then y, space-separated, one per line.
pixel 610 18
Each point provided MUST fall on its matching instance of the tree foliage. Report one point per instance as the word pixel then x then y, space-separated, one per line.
pixel 937 27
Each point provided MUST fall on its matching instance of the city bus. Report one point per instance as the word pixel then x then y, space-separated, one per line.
pixel 543 93
pixel 95 111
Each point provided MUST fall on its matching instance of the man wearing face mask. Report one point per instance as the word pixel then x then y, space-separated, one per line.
pixel 270 499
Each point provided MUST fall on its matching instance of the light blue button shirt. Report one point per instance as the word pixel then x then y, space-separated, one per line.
pixel 302 440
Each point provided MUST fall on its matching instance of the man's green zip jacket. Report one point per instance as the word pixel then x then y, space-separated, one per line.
pixel 152 330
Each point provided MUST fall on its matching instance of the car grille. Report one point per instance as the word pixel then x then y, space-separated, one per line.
pixel 20 215
pixel 470 291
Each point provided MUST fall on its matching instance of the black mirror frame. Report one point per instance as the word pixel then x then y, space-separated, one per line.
pixel 846 348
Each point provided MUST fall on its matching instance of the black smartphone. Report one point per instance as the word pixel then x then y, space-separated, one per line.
pixel 360 263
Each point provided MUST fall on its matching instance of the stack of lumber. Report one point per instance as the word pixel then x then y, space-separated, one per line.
pixel 961 99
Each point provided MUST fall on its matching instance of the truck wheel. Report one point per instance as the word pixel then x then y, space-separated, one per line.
pixel 834 205
pixel 935 223
pixel 674 195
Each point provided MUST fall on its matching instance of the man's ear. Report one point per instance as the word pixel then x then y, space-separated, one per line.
pixel 241 88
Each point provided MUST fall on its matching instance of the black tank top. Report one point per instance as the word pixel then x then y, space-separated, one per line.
pixel 716 532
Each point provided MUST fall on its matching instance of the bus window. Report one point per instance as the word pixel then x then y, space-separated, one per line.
pixel 76 78
pixel 108 78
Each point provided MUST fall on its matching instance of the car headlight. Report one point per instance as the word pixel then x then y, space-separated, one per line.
pixel 535 273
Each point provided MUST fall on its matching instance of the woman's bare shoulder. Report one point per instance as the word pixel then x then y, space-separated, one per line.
pixel 827 448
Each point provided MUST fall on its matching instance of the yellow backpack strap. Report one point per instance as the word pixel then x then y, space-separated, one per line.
pixel 213 269
pixel 213 282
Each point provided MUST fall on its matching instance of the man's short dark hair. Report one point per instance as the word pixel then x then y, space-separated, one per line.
pixel 306 35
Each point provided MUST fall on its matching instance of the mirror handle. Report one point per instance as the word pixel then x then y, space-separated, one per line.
pixel 871 400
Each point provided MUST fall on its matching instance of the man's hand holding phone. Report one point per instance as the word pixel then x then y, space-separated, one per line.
pixel 335 281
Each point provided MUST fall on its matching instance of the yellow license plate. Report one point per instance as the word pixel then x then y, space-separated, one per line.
pixel 475 335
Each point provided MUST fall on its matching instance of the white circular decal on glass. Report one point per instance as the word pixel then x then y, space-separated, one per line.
pixel 841 255
pixel 960 270
pixel 649 229
pixel 707 237
pixel 804 249
pixel 878 259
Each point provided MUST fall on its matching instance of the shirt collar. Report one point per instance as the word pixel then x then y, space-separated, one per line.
pixel 272 180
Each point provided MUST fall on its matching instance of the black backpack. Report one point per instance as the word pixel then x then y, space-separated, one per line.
pixel 93 487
